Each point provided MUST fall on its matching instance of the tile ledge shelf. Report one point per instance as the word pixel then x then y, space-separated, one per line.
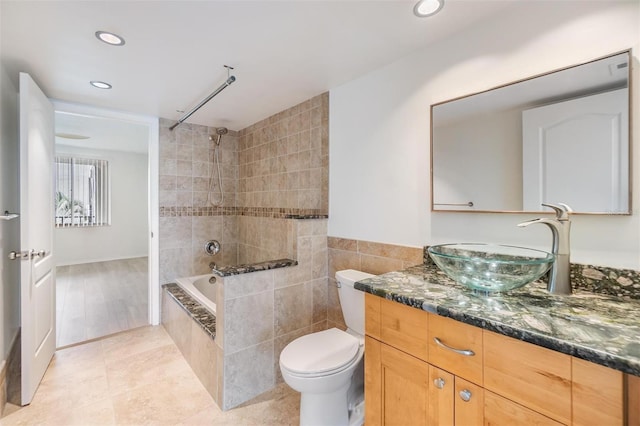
pixel 226 271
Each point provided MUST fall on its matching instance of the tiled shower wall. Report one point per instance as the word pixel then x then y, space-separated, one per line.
pixel 187 220
pixel 271 170
pixel 283 160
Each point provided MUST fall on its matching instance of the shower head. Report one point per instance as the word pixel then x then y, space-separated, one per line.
pixel 219 131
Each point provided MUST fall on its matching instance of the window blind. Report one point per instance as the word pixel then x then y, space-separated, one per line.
pixel 83 192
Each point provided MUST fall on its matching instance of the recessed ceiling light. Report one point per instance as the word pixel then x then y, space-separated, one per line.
pixel 110 38
pixel 426 8
pixel 100 84
pixel 71 136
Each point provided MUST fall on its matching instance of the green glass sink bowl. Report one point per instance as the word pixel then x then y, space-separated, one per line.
pixel 491 267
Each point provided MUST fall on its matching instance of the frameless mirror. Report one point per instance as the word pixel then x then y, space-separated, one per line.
pixel 562 137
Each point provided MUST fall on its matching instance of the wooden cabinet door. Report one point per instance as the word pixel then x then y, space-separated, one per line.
pixel 441 397
pixel 397 391
pixel 597 394
pixel 469 403
pixel 372 382
pixel 499 411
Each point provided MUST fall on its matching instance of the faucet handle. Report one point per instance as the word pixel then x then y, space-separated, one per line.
pixel 562 210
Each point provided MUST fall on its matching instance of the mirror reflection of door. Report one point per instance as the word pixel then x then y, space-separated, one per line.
pixel 478 149
pixel 578 144
pixel 101 226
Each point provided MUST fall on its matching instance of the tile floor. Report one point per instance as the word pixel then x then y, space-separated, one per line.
pixel 138 377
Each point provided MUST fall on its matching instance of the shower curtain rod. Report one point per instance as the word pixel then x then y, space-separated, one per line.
pixel 230 80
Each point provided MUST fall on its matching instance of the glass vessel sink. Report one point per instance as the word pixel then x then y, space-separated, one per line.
pixel 491 267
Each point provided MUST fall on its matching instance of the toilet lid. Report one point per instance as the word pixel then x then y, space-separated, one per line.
pixel 320 352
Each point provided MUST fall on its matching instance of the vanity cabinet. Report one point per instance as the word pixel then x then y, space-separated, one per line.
pixel 401 386
pixel 471 376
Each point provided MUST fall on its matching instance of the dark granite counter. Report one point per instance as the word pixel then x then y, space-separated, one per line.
pixel 599 328
pixel 225 271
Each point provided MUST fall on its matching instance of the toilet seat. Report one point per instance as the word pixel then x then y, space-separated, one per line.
pixel 320 354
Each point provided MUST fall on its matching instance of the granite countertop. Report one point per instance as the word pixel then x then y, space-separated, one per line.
pixel 597 328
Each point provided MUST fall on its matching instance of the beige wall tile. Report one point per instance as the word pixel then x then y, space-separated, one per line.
pixel 177 323
pixel 248 373
pixel 293 308
pixel 340 260
pixel 389 250
pixel 248 321
pixel 203 359
pixel 379 265
pixel 320 300
pixel 342 244
pixel 241 285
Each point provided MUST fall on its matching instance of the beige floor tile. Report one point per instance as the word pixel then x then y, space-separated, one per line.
pixel 146 382
pixel 207 416
pixel 139 340
pixel 167 401
pixel 146 367
pixel 71 361
pixel 75 390
pixel 97 414
pixel 281 406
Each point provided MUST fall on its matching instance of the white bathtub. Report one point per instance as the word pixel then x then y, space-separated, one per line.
pixel 201 290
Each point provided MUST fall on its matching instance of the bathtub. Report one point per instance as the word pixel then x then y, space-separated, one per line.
pixel 201 290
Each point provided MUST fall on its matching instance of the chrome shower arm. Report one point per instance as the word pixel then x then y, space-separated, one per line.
pixel 224 85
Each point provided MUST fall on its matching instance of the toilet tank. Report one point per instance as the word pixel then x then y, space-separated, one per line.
pixel 352 300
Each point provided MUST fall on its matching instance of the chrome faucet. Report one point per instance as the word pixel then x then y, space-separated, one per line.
pixel 560 274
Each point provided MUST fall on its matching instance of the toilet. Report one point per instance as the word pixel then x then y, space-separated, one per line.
pixel 327 367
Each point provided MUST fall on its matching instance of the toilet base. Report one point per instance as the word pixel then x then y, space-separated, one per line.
pixel 325 409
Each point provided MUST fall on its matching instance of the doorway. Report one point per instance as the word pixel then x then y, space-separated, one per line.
pixel 106 213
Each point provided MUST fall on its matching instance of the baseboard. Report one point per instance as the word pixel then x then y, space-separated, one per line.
pixel 10 375
pixel 14 371
pixel 85 261
pixel 3 386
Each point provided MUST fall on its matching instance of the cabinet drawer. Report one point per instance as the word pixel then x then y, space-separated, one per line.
pixel 499 411
pixel 458 348
pixel 530 375
pixel 401 326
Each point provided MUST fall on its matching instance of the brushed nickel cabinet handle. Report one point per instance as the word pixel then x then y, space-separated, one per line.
pixel 465 352
pixel 465 395
pixel 439 382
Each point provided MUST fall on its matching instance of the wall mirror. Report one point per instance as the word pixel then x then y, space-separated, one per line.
pixel 558 137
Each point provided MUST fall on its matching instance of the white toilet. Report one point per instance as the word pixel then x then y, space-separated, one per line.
pixel 327 367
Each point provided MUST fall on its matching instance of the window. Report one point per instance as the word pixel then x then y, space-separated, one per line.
pixel 82 194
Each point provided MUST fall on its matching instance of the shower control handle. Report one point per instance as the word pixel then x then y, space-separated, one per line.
pixel 212 247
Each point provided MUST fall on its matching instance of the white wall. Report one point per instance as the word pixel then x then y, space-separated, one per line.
pixel 128 234
pixel 379 129
pixel 9 200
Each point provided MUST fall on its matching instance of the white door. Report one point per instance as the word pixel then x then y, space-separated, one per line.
pixel 37 272
pixel 576 152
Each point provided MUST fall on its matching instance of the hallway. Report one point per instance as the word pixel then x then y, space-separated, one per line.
pixel 102 298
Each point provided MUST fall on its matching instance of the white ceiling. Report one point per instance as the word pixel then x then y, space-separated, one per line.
pixel 101 133
pixel 284 52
